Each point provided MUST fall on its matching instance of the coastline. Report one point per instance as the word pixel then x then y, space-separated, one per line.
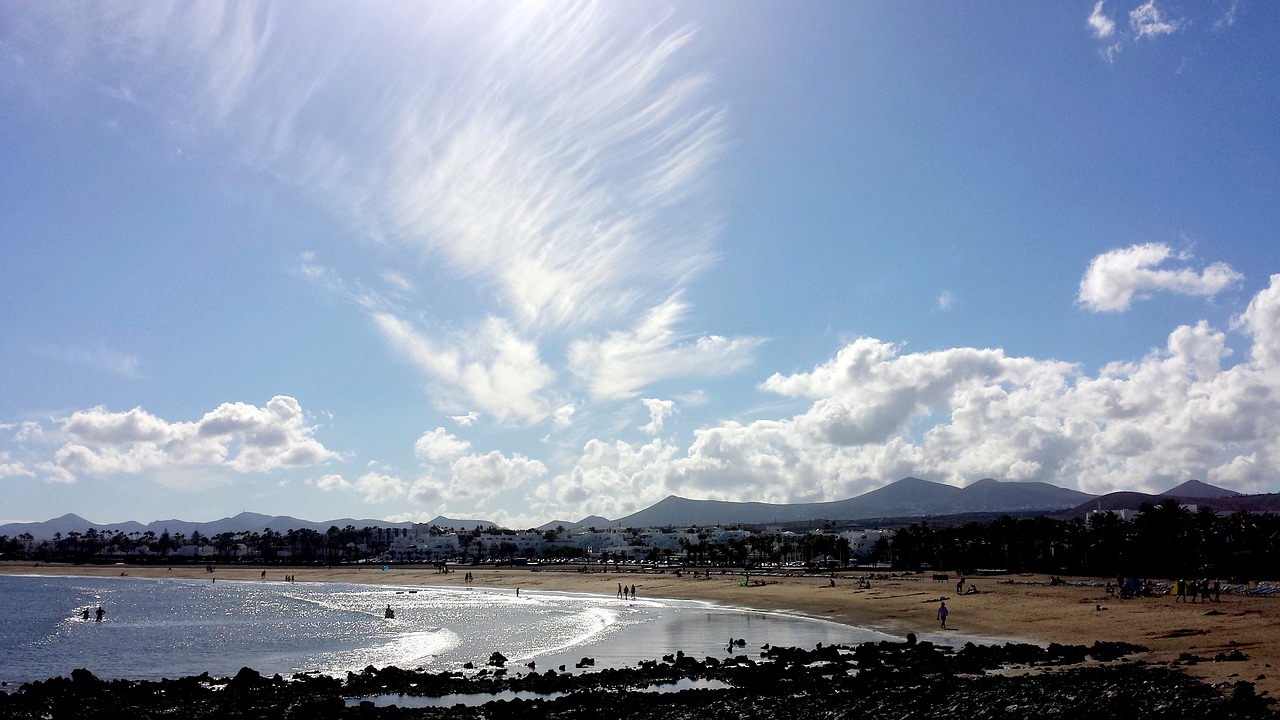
pixel 1023 607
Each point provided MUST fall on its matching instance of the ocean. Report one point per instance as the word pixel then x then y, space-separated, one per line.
pixel 160 628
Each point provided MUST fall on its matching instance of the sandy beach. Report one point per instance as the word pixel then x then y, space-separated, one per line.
pixel 1021 607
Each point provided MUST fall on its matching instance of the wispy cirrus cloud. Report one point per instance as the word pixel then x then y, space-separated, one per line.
pixel 555 158
pixel 1147 21
pixel 1102 26
pixel 493 367
pixel 1116 278
pixel 620 364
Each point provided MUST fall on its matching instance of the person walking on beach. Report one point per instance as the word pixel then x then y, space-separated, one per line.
pixel 942 615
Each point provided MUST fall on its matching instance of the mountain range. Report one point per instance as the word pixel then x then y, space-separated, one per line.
pixel 907 498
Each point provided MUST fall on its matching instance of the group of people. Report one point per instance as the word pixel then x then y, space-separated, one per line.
pixel 84 615
pixel 624 592
pixel 1182 589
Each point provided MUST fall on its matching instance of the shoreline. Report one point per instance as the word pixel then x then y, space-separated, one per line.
pixel 1026 608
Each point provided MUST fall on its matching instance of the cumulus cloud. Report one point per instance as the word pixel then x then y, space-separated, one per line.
pixel 332 482
pixel 240 436
pixel 466 420
pixel 28 430
pixel 1261 320
pixel 612 479
pixel 379 488
pixel 1102 26
pixel 658 412
pixel 13 469
pixel 876 414
pixel 1147 21
pixel 564 416
pixel 1115 278
pixel 440 446
pixel 473 479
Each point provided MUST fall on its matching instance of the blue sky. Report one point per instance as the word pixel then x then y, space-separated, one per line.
pixel 537 261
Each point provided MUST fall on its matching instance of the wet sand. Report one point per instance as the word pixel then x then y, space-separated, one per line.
pixel 1022 607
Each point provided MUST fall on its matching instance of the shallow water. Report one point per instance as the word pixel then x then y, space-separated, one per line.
pixel 174 628
pixel 476 699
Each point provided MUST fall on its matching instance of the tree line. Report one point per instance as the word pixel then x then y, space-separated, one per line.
pixel 300 546
pixel 1164 540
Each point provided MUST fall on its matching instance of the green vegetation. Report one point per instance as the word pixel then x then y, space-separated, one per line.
pixel 1164 540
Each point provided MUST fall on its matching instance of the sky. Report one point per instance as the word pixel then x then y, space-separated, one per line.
pixel 530 262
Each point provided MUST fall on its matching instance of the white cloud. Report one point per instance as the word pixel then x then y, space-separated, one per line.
pixel 493 367
pixel 878 414
pixel 1102 26
pixel 12 469
pixel 611 479
pixel 379 488
pixel 564 416
pixel 56 474
pixel 563 177
pixel 1146 21
pixel 1261 320
pixel 28 430
pixel 332 482
pixel 620 365
pixel 440 446
pixel 474 480
pixel 555 159
pixel 398 282
pixel 466 420
pixel 658 412
pixel 1229 17
pixel 240 436
pixel 1116 277
pixel 946 300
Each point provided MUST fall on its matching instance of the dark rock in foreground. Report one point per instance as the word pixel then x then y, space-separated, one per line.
pixel 872 680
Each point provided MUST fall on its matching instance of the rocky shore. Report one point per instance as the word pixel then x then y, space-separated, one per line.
pixel 874 680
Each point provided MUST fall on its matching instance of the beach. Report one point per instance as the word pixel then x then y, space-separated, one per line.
pixel 1027 608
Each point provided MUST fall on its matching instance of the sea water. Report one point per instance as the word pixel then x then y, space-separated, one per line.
pixel 160 628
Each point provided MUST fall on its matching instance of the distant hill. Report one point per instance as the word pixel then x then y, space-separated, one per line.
pixel 244 522
pixel 444 522
pixel 1197 489
pixel 1233 502
pixel 908 497
pixel 990 495
pixel 591 521
pixel 900 501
